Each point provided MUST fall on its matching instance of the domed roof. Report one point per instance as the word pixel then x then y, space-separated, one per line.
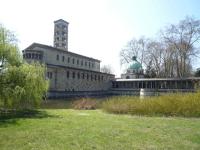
pixel 135 65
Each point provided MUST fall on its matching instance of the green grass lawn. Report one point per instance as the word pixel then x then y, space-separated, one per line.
pixel 69 129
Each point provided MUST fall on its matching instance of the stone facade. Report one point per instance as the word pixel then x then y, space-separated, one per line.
pixel 56 56
pixel 68 71
pixel 72 79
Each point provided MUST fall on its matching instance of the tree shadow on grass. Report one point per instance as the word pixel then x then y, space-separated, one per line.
pixel 12 117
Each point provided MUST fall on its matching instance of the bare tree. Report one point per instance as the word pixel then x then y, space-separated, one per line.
pixel 171 55
pixel 154 56
pixel 134 48
pixel 181 40
pixel 107 69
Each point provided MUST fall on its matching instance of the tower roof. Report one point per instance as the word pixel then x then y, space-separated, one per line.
pixel 61 20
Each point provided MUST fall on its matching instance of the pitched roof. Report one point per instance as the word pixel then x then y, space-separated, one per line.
pixel 61 20
pixel 57 49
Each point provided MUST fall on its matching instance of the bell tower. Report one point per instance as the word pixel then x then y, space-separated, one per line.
pixel 61 34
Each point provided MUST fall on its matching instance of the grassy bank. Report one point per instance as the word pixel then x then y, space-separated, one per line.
pixel 93 129
pixel 186 105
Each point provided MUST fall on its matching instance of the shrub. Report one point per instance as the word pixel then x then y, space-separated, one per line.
pixel 85 103
pixel 187 105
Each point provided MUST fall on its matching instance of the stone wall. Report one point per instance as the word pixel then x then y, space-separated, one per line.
pixel 71 79
pixel 61 57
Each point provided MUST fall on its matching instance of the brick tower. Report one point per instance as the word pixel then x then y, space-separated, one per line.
pixel 61 34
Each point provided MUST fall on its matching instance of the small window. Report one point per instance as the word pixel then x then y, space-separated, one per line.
pixel 57 57
pixel 32 55
pixel 73 60
pixel 73 75
pixel 87 76
pixel 57 38
pixel 95 77
pixel 92 65
pixel 78 75
pixel 68 60
pixel 36 56
pixel 89 64
pixel 83 75
pixel 99 77
pixel 86 63
pixel 40 56
pixel 91 77
pixel 49 75
pixel 67 74
pixel 29 55
pixel 77 62
pixel 63 58
pixel 57 45
pixel 81 62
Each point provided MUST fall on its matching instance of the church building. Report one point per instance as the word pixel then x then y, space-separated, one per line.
pixel 67 72
pixel 72 74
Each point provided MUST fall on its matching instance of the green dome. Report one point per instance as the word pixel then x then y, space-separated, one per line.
pixel 135 65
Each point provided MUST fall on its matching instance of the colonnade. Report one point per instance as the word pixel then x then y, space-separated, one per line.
pixel 155 84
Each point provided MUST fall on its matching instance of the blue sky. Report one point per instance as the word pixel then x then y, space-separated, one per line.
pixel 98 28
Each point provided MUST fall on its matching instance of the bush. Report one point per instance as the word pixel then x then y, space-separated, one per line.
pixel 187 105
pixel 85 103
